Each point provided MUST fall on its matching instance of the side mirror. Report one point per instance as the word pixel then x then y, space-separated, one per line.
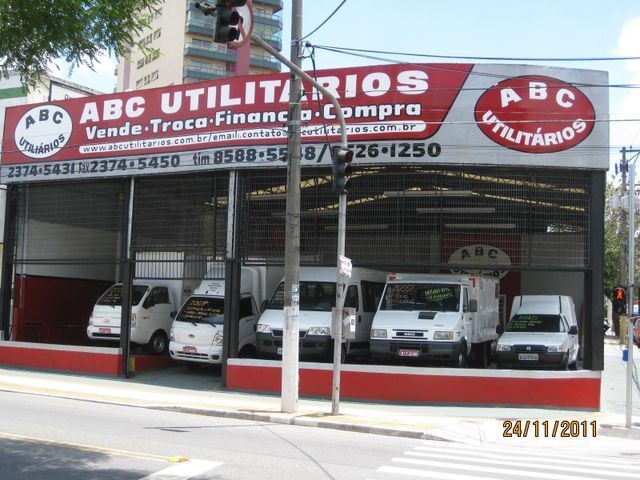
pixel 573 330
pixel 263 305
pixel 499 329
pixel 173 314
pixel 473 305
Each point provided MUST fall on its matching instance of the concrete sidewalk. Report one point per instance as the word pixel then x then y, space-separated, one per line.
pixel 201 394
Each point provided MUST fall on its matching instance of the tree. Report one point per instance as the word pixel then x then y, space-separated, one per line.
pixel 33 33
pixel 612 234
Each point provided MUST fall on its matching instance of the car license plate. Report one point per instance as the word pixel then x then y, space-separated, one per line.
pixel 279 351
pixel 104 330
pixel 527 356
pixel 409 353
pixel 188 349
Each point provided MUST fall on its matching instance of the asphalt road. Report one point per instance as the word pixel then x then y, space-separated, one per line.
pixel 53 438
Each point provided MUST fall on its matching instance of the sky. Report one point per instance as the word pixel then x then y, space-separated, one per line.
pixel 522 29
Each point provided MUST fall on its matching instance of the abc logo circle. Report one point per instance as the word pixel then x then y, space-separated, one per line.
pixel 43 131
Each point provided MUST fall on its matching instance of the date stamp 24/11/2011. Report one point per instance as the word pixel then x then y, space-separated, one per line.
pixel 549 428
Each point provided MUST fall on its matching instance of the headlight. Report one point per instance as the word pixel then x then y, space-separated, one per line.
pixel 555 348
pixel 319 331
pixel 378 333
pixel 501 347
pixel 172 337
pixel 442 335
pixel 217 339
pixel 262 328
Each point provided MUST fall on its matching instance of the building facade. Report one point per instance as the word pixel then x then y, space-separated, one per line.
pixel 188 54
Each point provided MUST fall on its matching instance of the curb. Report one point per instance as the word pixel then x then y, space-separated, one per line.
pixel 307 422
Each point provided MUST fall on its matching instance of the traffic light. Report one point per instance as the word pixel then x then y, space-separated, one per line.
pixel 619 300
pixel 342 158
pixel 226 18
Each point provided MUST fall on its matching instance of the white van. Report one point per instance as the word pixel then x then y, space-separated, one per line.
pixel 542 333
pixel 153 304
pixel 197 332
pixel 317 298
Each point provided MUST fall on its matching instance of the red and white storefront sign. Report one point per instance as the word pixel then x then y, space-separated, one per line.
pixel 409 114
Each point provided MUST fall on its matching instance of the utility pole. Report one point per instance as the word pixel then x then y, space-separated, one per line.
pixel 291 334
pixel 630 288
pixel 290 341
pixel 629 167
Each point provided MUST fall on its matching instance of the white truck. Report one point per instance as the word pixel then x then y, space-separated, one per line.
pixel 317 297
pixel 197 332
pixel 436 317
pixel 153 303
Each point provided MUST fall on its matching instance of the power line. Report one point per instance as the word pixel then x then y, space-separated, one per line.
pixel 325 21
pixel 464 57
pixel 451 68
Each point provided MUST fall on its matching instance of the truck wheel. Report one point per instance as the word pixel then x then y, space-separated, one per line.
pixel 158 344
pixel 248 351
pixel 460 361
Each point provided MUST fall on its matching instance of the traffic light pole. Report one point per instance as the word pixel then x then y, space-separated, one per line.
pixel 290 370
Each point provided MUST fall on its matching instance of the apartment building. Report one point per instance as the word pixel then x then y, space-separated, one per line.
pixel 185 52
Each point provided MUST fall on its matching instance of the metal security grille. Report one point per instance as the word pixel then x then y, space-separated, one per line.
pixel 180 226
pixel 428 217
pixel 69 222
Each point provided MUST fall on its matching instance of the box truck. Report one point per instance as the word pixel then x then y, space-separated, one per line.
pixel 436 317
pixel 317 297
pixel 197 332
pixel 542 333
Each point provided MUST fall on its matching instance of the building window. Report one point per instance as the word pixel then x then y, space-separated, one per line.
pixel 141 63
pixel 198 42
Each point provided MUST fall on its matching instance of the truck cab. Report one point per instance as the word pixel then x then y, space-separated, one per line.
pixel 197 332
pixel 152 305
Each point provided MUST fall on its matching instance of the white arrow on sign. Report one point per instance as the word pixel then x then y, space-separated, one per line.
pixel 245 26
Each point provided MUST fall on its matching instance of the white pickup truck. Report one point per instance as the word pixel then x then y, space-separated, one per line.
pixel 197 332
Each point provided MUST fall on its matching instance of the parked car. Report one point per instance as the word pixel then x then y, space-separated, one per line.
pixel 636 330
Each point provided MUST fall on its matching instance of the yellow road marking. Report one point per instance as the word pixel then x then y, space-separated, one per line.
pixel 86 448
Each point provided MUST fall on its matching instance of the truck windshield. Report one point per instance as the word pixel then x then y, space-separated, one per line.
pixel 421 296
pixel 113 296
pixel 537 323
pixel 314 296
pixel 202 310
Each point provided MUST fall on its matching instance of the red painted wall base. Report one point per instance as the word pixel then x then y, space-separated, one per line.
pixel 96 360
pixel 444 386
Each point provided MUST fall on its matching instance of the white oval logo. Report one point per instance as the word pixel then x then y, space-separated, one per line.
pixel 43 131
pixel 479 254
